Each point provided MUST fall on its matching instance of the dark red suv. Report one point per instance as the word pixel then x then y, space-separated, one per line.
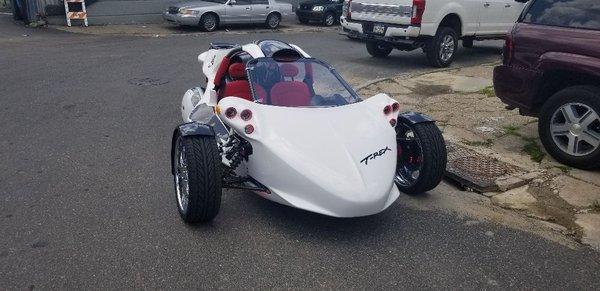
pixel 551 69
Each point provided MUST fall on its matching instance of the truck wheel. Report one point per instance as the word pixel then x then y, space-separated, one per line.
pixel 329 19
pixel 421 157
pixel 379 49
pixel 273 21
pixel 442 48
pixel 197 175
pixel 209 22
pixel 569 127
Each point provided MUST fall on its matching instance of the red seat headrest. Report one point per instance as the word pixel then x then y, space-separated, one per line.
pixel 237 71
pixel 289 70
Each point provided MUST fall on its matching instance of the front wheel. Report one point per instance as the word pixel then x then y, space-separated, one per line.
pixel 379 49
pixel 441 49
pixel 197 175
pixel 421 159
pixel 209 22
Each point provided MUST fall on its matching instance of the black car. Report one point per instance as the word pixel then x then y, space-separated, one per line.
pixel 327 12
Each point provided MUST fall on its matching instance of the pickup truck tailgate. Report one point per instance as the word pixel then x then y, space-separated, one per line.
pixel 385 11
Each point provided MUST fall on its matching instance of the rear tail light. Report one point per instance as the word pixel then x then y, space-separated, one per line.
pixel 387 109
pixel 393 122
pixel 509 47
pixel 417 12
pixel 230 112
pixel 349 10
pixel 246 114
pixel 395 106
pixel 249 129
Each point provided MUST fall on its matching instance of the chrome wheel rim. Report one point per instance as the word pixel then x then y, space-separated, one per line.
pixel 575 129
pixel 210 22
pixel 329 20
pixel 447 48
pixel 181 177
pixel 273 21
pixel 410 156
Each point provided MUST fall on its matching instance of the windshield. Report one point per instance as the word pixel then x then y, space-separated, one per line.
pixel 300 83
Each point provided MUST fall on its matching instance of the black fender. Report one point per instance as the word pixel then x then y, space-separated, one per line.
pixel 412 117
pixel 189 129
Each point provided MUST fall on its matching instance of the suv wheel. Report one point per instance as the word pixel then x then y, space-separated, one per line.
pixel 441 49
pixel 329 19
pixel 569 126
pixel 379 49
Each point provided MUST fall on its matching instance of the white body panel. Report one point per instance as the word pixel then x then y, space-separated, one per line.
pixel 478 17
pixel 312 158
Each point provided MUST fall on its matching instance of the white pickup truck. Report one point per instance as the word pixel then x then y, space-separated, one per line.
pixel 432 25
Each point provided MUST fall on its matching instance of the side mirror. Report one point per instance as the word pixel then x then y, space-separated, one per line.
pixel 212 98
pixel 231 2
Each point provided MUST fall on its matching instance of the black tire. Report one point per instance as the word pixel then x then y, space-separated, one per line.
pixel 204 172
pixel 467 43
pixel 209 22
pixel 588 96
pixel 273 20
pixel 433 48
pixel 303 20
pixel 329 19
pixel 433 157
pixel 379 49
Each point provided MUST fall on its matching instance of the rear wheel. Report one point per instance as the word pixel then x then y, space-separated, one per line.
pixel 569 127
pixel 441 49
pixel 421 157
pixel 379 49
pixel 329 19
pixel 197 169
pixel 273 21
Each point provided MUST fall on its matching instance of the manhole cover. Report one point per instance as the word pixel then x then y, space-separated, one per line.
pixel 146 82
pixel 474 170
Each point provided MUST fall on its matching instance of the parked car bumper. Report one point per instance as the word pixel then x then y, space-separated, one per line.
pixel 517 87
pixel 179 19
pixel 392 31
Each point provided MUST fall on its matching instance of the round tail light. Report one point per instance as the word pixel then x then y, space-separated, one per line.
pixel 393 122
pixel 395 106
pixel 230 112
pixel 246 114
pixel 387 109
pixel 249 129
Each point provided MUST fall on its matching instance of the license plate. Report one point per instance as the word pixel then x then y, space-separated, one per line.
pixel 379 29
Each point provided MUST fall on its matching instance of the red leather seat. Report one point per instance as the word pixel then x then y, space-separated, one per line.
pixel 290 93
pixel 239 87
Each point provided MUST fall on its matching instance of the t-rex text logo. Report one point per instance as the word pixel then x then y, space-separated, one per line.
pixel 374 155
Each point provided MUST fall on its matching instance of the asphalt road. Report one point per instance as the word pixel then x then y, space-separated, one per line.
pixel 87 200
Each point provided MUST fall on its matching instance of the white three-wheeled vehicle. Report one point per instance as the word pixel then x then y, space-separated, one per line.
pixel 286 126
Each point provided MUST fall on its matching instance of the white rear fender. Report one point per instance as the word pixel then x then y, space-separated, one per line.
pixel 339 161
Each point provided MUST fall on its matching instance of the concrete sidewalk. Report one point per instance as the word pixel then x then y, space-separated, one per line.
pixel 471 116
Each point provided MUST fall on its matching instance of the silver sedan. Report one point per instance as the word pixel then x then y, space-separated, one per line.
pixel 209 14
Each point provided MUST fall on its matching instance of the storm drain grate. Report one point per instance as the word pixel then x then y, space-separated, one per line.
pixel 146 82
pixel 476 171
